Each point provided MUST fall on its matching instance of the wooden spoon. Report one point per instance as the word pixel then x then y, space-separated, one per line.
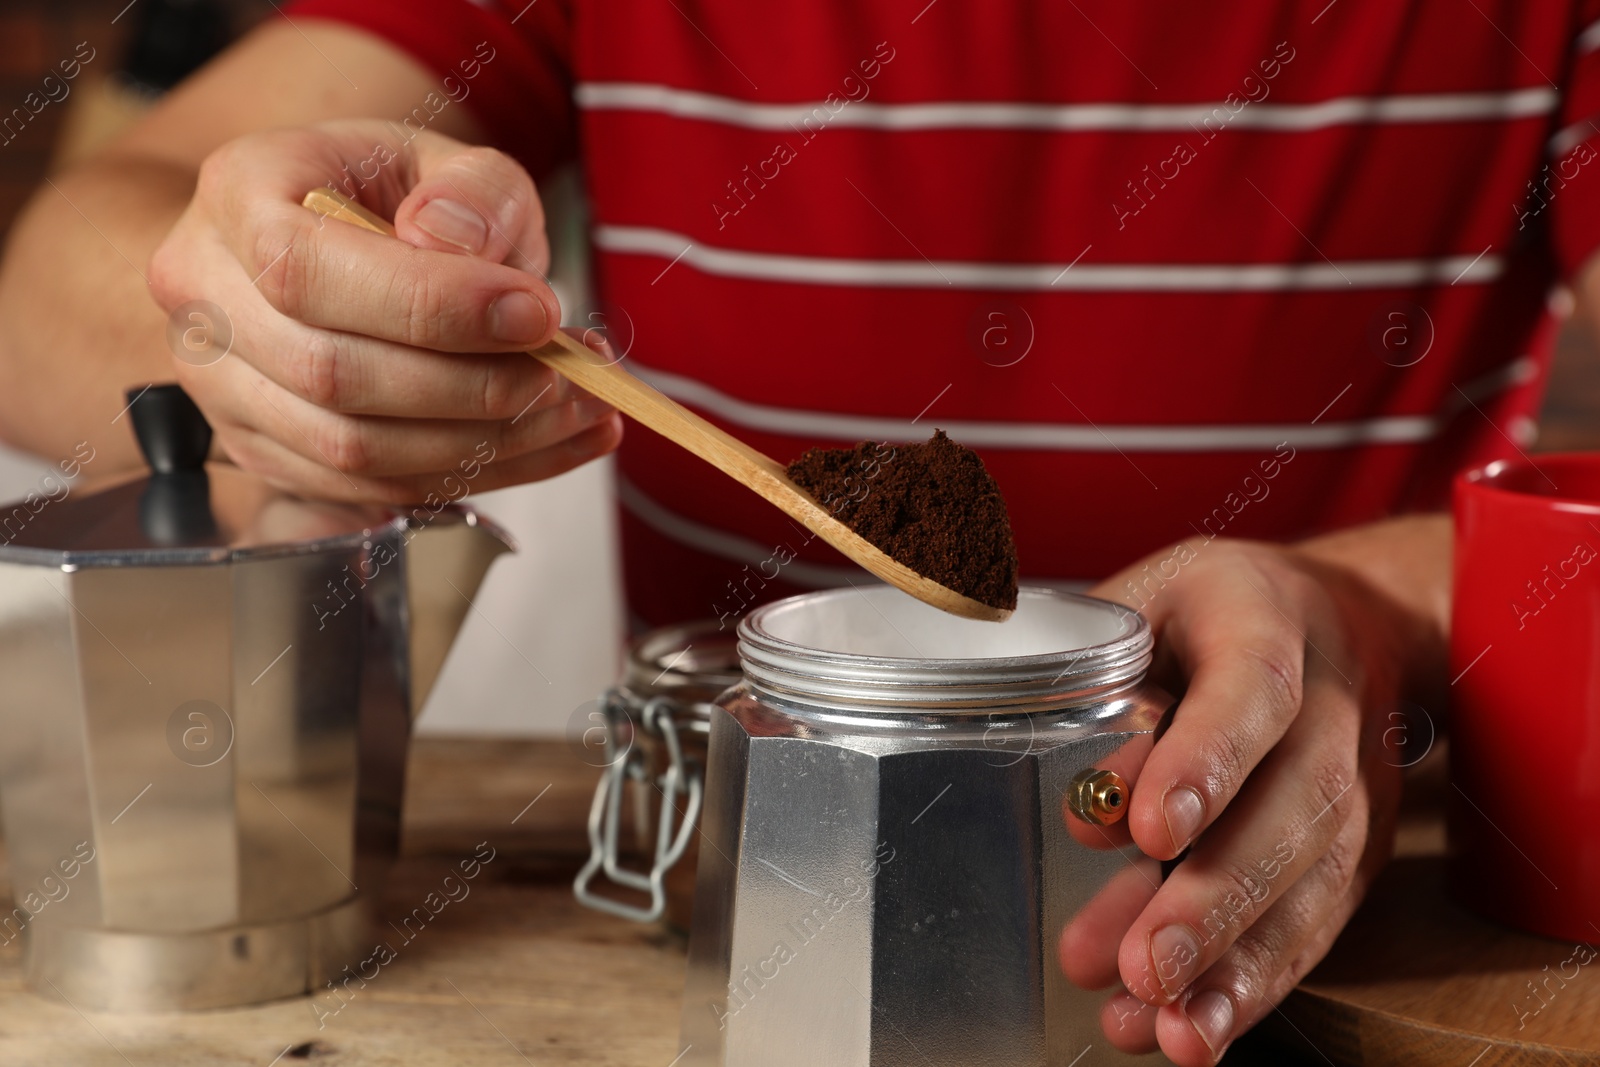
pixel 631 395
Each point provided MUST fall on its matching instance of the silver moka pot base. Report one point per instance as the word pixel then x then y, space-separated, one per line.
pixel 209 691
pixel 110 970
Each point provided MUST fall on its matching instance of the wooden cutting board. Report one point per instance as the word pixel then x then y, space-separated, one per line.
pixel 517 973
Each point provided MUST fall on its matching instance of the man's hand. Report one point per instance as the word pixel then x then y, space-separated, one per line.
pixel 364 366
pixel 1272 775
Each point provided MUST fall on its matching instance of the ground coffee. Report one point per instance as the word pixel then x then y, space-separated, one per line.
pixel 931 506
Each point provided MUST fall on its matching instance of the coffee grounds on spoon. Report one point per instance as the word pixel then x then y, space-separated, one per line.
pixel 931 506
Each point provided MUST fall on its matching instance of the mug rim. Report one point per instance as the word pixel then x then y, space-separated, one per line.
pixel 1483 479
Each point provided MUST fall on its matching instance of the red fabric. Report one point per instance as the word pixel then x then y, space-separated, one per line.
pixel 522 94
pixel 1120 350
pixel 1560 188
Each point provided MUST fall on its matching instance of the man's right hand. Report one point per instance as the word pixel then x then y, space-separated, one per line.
pixel 365 367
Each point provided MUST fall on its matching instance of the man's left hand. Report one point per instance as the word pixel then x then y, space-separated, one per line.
pixel 1272 774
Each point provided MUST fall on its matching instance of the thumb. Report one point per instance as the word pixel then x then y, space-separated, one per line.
pixel 475 201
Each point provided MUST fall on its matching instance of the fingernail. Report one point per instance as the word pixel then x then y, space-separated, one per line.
pixel 454 224
pixel 1211 1015
pixel 1184 809
pixel 516 317
pixel 1175 954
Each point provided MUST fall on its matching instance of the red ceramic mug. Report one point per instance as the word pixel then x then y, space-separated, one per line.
pixel 1525 711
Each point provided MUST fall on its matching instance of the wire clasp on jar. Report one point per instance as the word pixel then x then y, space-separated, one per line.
pixel 605 813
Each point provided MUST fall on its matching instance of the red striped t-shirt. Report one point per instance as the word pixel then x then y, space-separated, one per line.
pixel 1171 269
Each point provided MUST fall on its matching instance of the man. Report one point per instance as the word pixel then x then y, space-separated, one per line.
pixel 1182 278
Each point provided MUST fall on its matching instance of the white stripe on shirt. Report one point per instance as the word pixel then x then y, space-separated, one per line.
pixel 1589 39
pixel 1570 137
pixel 1010 115
pixel 1101 437
pixel 1041 277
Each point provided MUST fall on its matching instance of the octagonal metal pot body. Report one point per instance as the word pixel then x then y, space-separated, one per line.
pixel 887 864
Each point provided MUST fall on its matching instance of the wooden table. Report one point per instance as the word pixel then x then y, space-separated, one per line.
pixel 517 973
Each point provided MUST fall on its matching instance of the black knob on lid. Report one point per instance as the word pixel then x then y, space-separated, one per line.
pixel 172 433
pixel 175 507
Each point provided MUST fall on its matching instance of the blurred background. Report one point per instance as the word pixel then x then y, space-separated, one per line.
pixel 546 634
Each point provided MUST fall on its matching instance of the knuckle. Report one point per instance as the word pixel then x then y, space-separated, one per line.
pixel 1245 891
pixel 166 274
pixel 1255 963
pixel 1338 866
pixel 501 390
pixel 343 444
pixel 283 262
pixel 216 175
pixel 320 369
pixel 508 440
pixel 1331 783
pixel 422 305
pixel 1225 757
pixel 1279 670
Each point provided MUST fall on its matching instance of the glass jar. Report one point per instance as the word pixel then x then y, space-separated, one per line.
pixel 903 812
pixel 656 721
